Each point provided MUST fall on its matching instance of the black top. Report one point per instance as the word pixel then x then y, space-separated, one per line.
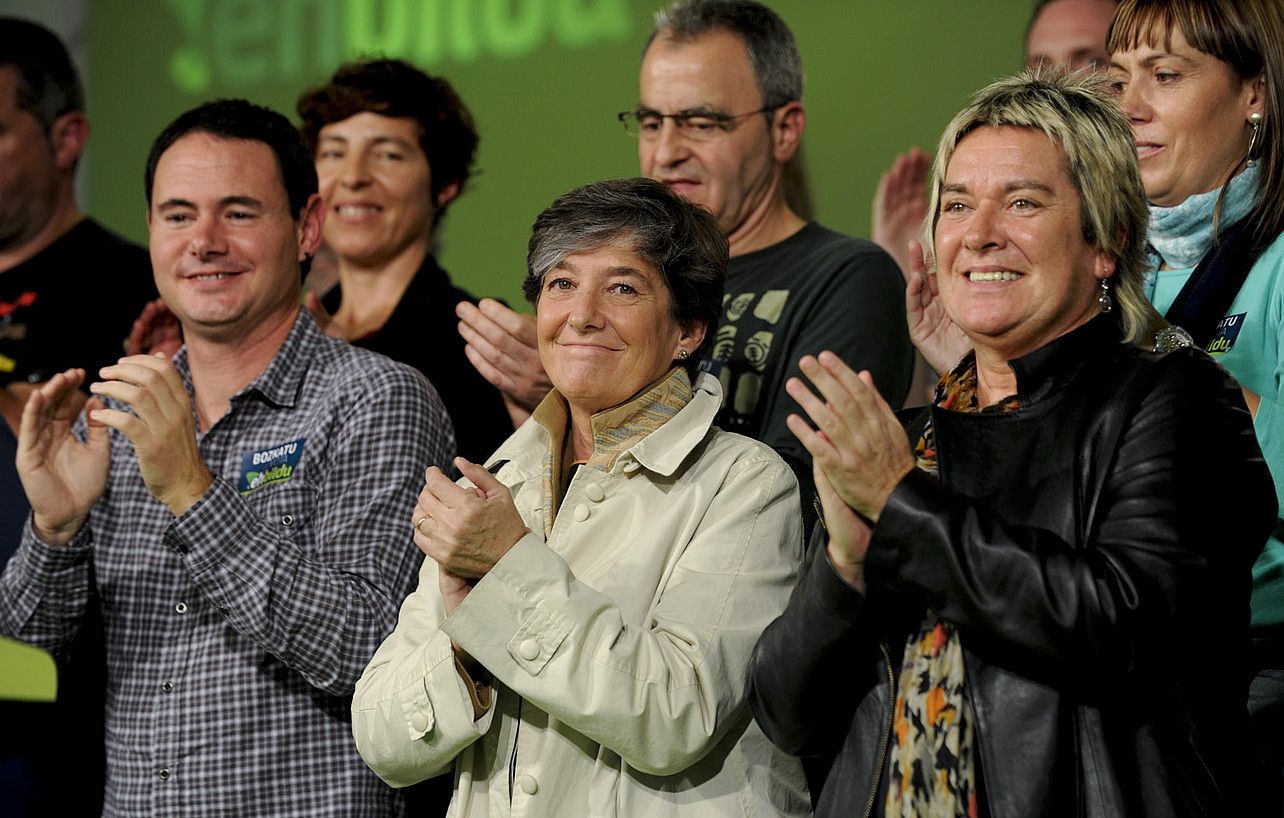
pixel 423 332
pixel 72 304
pixel 816 290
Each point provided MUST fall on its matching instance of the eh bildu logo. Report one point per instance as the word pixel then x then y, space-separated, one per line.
pixel 1227 331
pixel 268 467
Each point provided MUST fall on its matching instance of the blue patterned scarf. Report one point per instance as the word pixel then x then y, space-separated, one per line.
pixel 1181 235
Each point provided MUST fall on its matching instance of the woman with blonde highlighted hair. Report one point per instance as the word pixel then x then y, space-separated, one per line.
pixel 1026 608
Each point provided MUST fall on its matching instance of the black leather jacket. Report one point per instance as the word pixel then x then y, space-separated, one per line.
pixel 1094 550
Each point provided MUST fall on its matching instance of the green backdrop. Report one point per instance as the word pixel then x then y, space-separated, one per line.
pixel 544 79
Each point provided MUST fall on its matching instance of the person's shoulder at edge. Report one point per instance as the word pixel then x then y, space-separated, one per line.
pixel 361 371
pixel 827 250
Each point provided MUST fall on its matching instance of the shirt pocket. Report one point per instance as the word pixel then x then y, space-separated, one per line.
pixel 290 509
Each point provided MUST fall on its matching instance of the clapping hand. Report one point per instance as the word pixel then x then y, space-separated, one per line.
pixel 62 477
pixel 931 329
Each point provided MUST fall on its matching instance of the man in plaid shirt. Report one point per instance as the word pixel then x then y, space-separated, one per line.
pixel 239 515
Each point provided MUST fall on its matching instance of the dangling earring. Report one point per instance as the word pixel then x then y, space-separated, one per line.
pixel 1255 120
pixel 1104 300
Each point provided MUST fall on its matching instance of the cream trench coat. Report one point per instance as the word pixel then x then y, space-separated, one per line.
pixel 619 648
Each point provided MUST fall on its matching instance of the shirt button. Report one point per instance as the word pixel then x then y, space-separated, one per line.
pixel 180 608
pixel 581 513
pixel 287 519
pixel 594 492
pixel 528 650
pixel 163 775
pixel 527 784
pixel 166 687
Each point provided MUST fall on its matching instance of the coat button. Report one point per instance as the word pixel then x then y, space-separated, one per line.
pixel 527 784
pixel 163 775
pixel 528 650
pixel 180 608
pixel 581 513
pixel 419 721
pixel 594 492
pixel 166 687
pixel 287 519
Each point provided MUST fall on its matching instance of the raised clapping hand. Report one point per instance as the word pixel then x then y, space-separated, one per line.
pixel 502 346
pixel 62 477
pixel 900 205
pixel 931 330
pixel 156 330
pixel 859 452
pixel 161 427
pixel 465 531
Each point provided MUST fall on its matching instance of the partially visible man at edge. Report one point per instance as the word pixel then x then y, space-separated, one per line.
pixel 68 289
pixel 241 506
pixel 719 116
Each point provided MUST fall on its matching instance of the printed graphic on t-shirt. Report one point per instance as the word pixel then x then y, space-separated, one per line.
pixel 1227 331
pixel 741 351
pixel 13 327
pixel 269 467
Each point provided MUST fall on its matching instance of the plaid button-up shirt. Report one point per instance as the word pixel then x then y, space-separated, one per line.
pixel 235 633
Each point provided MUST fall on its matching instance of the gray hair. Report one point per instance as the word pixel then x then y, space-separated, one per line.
pixel 681 241
pixel 773 51
pixel 1076 112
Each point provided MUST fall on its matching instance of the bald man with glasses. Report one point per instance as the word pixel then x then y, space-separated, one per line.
pixel 719 116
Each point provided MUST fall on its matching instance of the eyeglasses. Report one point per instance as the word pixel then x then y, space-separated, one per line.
pixel 700 126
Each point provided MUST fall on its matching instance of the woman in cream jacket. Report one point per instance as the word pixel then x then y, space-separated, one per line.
pixel 579 640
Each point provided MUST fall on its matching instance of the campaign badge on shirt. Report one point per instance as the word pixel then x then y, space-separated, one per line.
pixel 269 467
pixel 1227 331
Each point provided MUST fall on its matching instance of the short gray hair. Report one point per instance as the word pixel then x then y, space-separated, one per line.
pixel 773 51
pixel 1077 112
pixel 681 241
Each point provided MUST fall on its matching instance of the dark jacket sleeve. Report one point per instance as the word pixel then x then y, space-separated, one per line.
pixel 1185 507
pixel 803 678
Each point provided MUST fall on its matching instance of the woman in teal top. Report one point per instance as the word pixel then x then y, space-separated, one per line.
pixel 1201 82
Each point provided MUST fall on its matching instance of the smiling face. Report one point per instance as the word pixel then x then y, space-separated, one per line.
pixel 606 330
pixel 377 187
pixel 1189 113
pixel 1013 269
pixel 1070 33
pixel 225 247
pixel 733 174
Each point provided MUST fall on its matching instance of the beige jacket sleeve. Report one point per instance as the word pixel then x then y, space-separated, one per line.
pixel 412 713
pixel 659 695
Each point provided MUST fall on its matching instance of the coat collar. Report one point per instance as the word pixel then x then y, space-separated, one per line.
pixel 1049 367
pixel 280 382
pixel 660 452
